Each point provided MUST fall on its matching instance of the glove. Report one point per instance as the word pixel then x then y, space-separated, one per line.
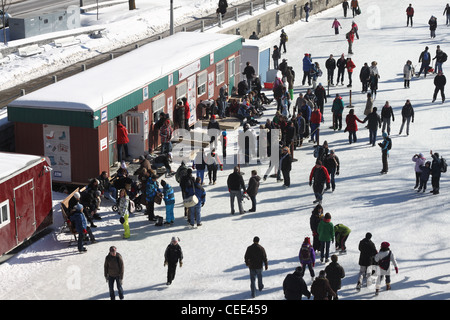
pixel 84 231
pixel 396 270
pixel 165 263
pixel 203 204
pixel 181 264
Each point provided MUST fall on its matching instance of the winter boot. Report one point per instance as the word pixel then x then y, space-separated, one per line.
pixel 388 286
pixel 358 286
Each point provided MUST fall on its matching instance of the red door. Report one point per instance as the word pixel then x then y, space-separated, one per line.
pixel 24 211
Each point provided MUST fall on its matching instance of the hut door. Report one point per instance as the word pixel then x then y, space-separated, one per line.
pixel 231 71
pixel 24 211
pixel 137 125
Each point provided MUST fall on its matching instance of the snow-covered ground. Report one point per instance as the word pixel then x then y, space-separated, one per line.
pixel 365 201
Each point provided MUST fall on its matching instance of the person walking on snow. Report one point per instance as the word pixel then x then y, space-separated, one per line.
pixel 320 176
pixel 307 9
pixel 307 257
pixel 373 124
pixel 336 25
pixel 337 109
pixel 252 190
pixel 408 73
pixel 425 60
pixel 439 83
pixel 334 273
pixel 331 162
pixel 341 65
pixel 294 287
pixel 283 40
pixel 345 7
pixel 433 26
pixel 440 58
pixel 352 127
pixel 350 67
pixel 447 14
pixel 235 183
pixel 385 147
pixel 374 76
pixel 350 38
pixel 326 235
pixel 172 256
pixel 113 271
pixel 367 252
pixel 419 160
pixel 409 15
pixel 386 114
pixel 407 116
pixel 435 172
pixel 384 258
pixel 320 288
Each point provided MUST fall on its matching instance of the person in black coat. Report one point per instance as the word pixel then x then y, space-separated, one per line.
pixel 334 273
pixel 367 251
pixel 286 166
pixel 172 256
pixel 235 183
pixel 439 82
pixel 425 60
pixel 331 162
pixel 435 172
pixel 330 65
pixel 294 287
pixel 341 65
pixel 373 124
pixel 249 73
pixel 364 76
pixel 222 7
pixel 314 221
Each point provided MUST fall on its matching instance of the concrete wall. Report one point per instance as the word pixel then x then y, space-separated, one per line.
pixel 277 18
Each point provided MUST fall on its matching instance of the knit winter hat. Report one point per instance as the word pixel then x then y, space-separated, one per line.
pixel 385 245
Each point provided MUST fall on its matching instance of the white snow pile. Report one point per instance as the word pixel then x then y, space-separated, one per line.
pixel 365 201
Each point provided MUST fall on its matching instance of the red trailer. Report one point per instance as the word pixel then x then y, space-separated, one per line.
pixel 26 207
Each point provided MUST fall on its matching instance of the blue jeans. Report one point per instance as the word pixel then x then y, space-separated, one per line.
pixel 314 131
pixel 372 136
pixel 254 273
pixel 195 213
pixel 166 147
pixel 201 174
pixel 111 281
pixel 111 193
pixel 438 67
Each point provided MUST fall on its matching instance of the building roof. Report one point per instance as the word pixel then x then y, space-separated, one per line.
pixel 13 163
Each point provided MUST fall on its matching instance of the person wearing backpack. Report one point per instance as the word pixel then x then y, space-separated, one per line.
pixel 283 40
pixel 385 146
pixel 440 58
pixel 307 257
pixel 436 170
pixel 384 258
pixel 425 59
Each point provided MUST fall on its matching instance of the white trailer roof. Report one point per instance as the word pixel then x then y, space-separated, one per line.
pixel 14 163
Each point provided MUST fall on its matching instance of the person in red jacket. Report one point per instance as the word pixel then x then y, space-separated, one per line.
pixel 352 127
pixel 409 15
pixel 122 140
pixel 320 176
pixel 350 66
pixel 316 118
pixel 187 113
pixel 350 38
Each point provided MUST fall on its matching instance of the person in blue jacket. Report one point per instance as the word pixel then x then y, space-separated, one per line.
pixel 169 200
pixel 151 190
pixel 195 211
pixel 307 65
pixel 79 220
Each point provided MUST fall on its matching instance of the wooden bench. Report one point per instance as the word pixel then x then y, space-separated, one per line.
pixel 30 50
pixel 66 42
pixel 68 225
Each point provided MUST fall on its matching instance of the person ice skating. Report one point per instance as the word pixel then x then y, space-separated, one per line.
pixel 337 109
pixel 408 73
pixel 425 60
pixel 330 65
pixel 341 64
pixel 326 236
pixel 355 29
pixel 314 220
pixel 307 257
pixel 384 258
pixel 447 14
pixel 433 26
pixel 351 127
pixel 316 118
pixel 345 6
pixel 435 172
pixel 114 271
pixel 235 184
pixel 320 176
pixel 385 147
pixel 373 124
pixel 369 105
pixel 334 273
pixel 440 58
pixel 252 190
pixel 213 164
pixel 321 289
pixel 276 55
pixel 374 76
pixel 307 66
pixel 169 201
pixel 124 202
pixel 331 162
pixel 409 15
pixel 307 10
pixel 407 116
pixel 364 77
pixel 321 97
pixel 386 114
pixel 294 287
pixel 439 83
pixel 196 211
pixel 255 257
pixel 350 67
pixel 355 5
pixel 336 25
pixel 79 220
pixel 367 252
pixel 341 233
pixel 283 40
pixel 286 166
pixel 350 36
pixel 419 160
pixel 172 256
pixel 425 172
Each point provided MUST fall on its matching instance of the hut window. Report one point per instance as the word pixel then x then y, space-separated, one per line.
pixel 158 104
pixel 181 91
pixel 220 72
pixel 4 213
pixel 201 80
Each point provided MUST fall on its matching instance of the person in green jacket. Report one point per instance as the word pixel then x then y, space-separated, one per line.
pixel 337 109
pixel 341 234
pixel 326 234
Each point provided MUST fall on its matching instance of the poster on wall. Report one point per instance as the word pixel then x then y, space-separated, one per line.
pixel 170 106
pixel 192 98
pixel 57 149
pixel 211 85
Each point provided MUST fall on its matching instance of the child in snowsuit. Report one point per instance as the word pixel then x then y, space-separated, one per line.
pixel 307 257
pixel 124 202
pixel 169 200
pixel 424 176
